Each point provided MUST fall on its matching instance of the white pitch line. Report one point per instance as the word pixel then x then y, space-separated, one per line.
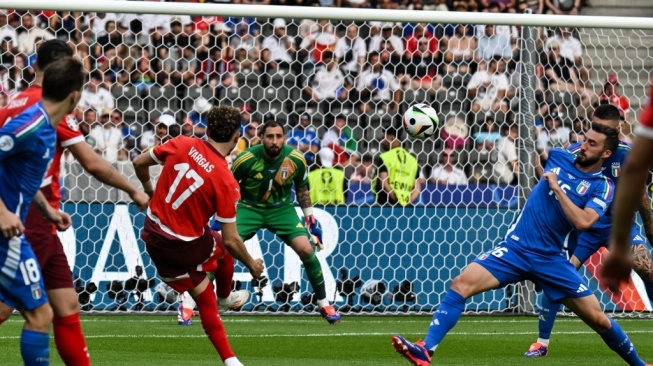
pixel 320 335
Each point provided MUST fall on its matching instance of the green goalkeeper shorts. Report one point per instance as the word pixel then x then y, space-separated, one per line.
pixel 283 221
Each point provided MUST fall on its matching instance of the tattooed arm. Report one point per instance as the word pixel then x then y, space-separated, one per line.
pixel 642 263
pixel 647 217
pixel 304 197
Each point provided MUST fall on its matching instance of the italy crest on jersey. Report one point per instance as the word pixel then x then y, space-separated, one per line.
pixel 616 169
pixel 583 187
pixel 284 173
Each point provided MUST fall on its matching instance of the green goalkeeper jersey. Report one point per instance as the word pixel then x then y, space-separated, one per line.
pixel 265 182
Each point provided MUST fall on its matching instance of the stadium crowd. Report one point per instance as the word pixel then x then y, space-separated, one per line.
pixel 338 86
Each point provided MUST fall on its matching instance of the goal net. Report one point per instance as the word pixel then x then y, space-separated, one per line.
pixel 505 96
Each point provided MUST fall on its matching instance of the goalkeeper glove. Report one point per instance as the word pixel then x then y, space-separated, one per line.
pixel 314 231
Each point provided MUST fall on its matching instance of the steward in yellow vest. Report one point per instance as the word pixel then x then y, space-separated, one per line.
pixel 397 179
pixel 327 186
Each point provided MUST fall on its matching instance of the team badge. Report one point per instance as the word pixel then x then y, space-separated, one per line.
pixel 37 293
pixel 72 122
pixel 6 143
pixel 583 187
pixel 483 257
pixel 284 173
pixel 616 169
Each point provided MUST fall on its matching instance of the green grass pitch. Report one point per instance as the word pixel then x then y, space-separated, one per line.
pixel 309 340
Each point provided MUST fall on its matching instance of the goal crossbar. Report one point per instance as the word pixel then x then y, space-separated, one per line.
pixel 296 12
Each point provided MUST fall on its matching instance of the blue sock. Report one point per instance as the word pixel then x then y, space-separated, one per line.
pixel 618 341
pixel 548 313
pixel 445 317
pixel 35 348
pixel 649 290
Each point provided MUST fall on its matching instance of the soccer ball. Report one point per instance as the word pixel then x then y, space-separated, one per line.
pixel 421 120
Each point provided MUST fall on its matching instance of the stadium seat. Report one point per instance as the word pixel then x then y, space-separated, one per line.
pixel 127 98
pixel 283 78
pixel 163 99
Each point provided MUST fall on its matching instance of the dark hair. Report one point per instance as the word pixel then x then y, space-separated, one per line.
pixel 368 158
pixel 62 77
pixel 270 124
pixel 608 112
pixel 611 136
pixel 222 122
pixel 50 51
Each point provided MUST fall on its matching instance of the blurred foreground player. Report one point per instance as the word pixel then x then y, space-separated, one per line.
pixel 41 234
pixel 195 184
pixel 27 145
pixel 576 194
pixel 617 265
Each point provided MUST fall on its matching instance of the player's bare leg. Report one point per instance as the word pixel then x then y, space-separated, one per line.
pixel 207 306
pixel 589 310
pixel 474 279
pixel 5 312
pixel 68 334
pixel 306 253
pixel 35 337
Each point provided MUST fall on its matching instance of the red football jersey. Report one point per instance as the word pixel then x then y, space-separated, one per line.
pixel 618 101
pixel 195 184
pixel 67 134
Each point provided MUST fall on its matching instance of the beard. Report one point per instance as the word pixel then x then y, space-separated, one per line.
pixel 586 161
pixel 272 151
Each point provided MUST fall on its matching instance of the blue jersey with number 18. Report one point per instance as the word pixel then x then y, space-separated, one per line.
pixel 542 226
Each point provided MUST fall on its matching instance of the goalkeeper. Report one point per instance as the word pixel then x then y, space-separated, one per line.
pixel 266 173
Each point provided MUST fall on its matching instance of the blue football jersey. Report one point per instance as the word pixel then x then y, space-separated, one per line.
pixel 542 226
pixel 611 169
pixel 27 145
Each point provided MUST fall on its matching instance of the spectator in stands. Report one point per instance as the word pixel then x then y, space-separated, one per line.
pixel 454 133
pixel 8 33
pixel 397 180
pixel 304 138
pixel 420 33
pixel 357 3
pixel 323 39
pixel 29 32
pixel 563 7
pixel 488 131
pixel 459 50
pixel 107 139
pixel 328 82
pixel 446 172
pixel 422 67
pixel 95 94
pixel 575 137
pixel 244 40
pixel 197 117
pixel 328 186
pixel 610 94
pixel 365 171
pixel 570 48
pixel 186 68
pixel 509 31
pixel 536 6
pixel 561 75
pixel 339 145
pixel 492 44
pixel 377 87
pixel 351 51
pixel 377 43
pixel 282 46
pixel 161 132
pixel 88 121
pixel 143 76
pixel 554 133
pixel 98 22
pixel 248 139
pixel 506 169
pixel 487 88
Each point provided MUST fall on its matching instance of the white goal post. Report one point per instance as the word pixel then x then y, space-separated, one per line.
pixel 378 259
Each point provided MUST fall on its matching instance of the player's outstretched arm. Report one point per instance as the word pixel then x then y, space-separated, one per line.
pixel 582 219
pixel 10 224
pixel 106 173
pixel 234 244
pixel 61 219
pixel 142 164
pixel 647 216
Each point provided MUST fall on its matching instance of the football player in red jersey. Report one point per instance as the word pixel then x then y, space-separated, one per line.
pixel 617 265
pixel 195 185
pixel 68 334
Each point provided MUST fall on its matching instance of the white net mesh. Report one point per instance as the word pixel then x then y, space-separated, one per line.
pixel 154 76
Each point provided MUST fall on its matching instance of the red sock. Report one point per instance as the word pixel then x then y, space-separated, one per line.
pixel 69 338
pixel 223 276
pixel 207 306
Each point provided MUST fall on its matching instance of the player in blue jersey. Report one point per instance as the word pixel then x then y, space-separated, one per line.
pixel 27 144
pixel 572 195
pixel 588 242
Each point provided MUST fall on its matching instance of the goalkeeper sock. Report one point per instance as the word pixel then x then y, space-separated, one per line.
pixel 212 324
pixel 315 276
pixel 548 313
pixel 223 276
pixel 618 341
pixel 70 342
pixel 35 347
pixel 445 317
